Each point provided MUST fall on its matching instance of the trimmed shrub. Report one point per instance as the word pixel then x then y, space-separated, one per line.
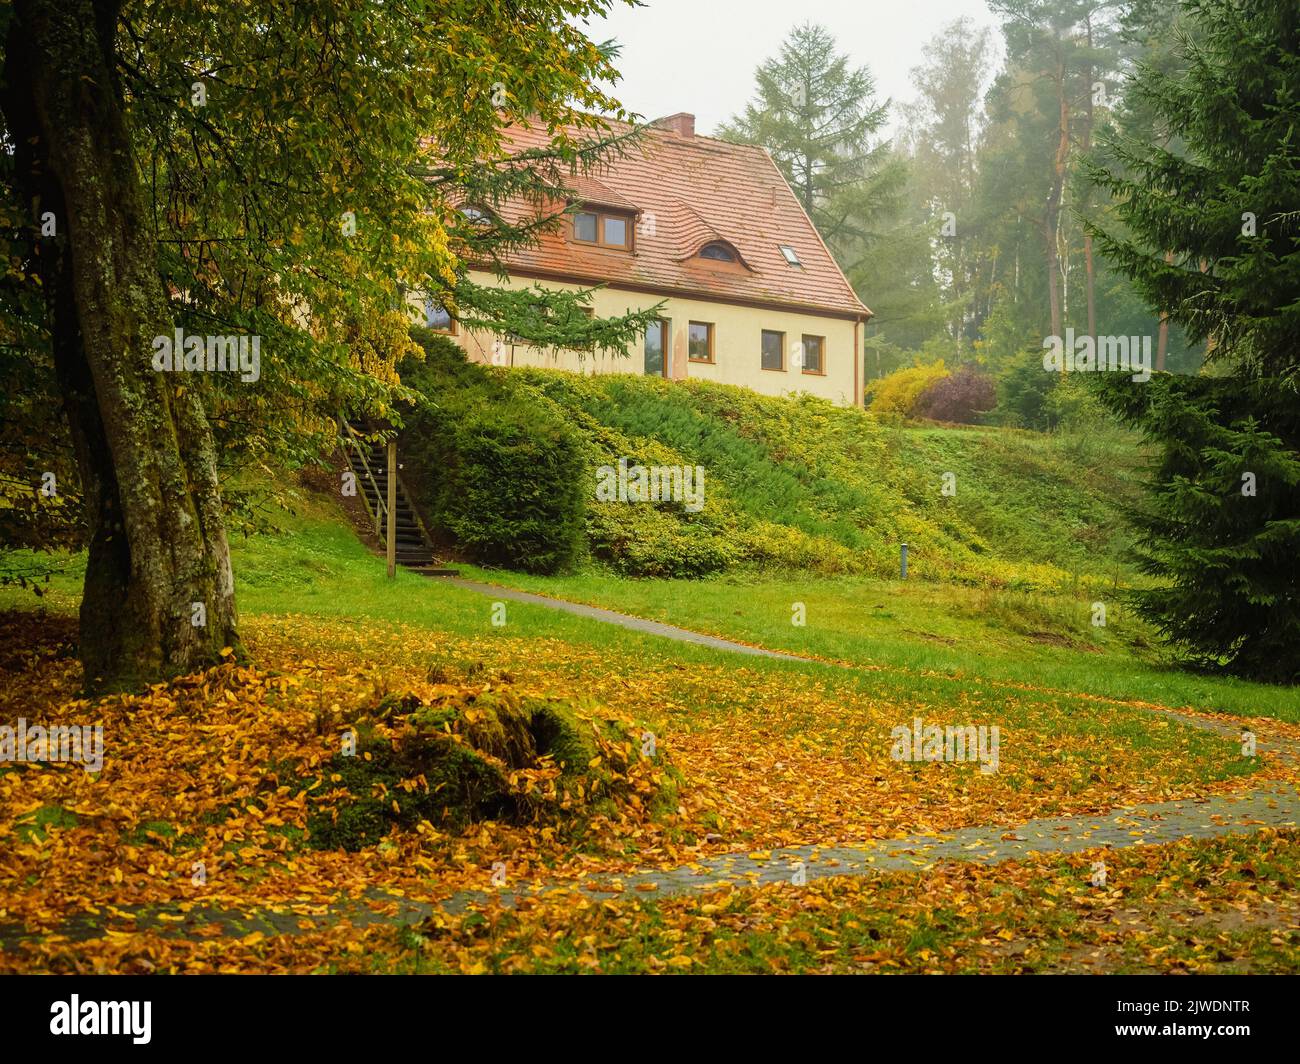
pixel 496 470
pixel 510 486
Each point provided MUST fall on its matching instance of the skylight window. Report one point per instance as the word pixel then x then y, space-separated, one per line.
pixel 791 256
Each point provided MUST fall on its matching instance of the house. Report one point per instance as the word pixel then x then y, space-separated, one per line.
pixel 752 296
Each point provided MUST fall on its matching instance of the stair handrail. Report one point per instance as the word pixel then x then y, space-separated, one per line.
pixel 415 510
pixel 379 513
pixel 353 439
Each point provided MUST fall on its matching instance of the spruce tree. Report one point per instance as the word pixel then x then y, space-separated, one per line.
pixel 819 118
pixel 1221 531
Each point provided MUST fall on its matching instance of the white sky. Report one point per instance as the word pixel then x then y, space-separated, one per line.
pixel 699 55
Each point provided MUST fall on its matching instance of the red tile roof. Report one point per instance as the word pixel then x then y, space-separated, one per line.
pixel 694 190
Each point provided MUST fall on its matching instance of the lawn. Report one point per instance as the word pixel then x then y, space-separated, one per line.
pixel 770 753
pixel 969 634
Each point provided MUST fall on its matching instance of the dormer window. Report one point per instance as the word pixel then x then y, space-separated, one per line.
pixel 718 251
pixel 476 215
pixel 603 228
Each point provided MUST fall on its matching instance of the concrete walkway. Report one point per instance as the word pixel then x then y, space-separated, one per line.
pixel 1274 805
pixel 623 620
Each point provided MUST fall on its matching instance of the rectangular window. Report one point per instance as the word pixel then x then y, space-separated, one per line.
pixel 790 255
pixel 773 350
pixel 699 341
pixel 814 349
pixel 437 317
pixel 604 229
pixel 615 231
pixel 656 337
pixel 584 227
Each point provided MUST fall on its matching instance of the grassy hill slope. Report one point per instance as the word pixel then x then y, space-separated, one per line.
pixel 803 485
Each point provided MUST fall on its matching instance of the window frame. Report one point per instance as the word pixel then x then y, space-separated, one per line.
pixel 626 217
pixel 732 256
pixel 581 239
pixel 605 219
pixel 821 349
pixel 781 348
pixel 450 330
pixel 665 352
pixel 792 259
pixel 711 329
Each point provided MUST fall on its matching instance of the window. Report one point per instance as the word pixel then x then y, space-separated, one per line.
pixel 773 350
pixel 791 256
pixel 606 230
pixel 437 317
pixel 584 227
pixel 615 231
pixel 814 349
pixel 718 251
pixel 656 346
pixel 477 215
pixel 699 341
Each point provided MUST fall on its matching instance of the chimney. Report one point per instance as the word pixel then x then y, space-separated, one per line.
pixel 682 124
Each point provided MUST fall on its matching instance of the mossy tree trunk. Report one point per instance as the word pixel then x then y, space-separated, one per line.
pixel 145 450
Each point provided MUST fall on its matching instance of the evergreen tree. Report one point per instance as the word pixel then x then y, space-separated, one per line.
pixel 943 133
pixel 1225 198
pixel 819 119
pixel 1222 529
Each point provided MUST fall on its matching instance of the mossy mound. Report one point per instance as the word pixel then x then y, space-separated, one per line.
pixel 487 754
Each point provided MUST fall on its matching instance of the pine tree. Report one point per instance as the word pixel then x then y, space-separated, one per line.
pixel 943 128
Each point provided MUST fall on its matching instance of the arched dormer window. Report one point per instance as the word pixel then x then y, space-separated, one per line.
pixel 719 251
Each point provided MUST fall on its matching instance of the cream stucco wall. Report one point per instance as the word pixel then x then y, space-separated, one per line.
pixel 736 337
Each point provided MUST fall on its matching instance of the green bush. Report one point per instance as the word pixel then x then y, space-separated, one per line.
pixel 492 465
pixel 1024 393
pixel 898 393
pixel 799 484
pixel 511 486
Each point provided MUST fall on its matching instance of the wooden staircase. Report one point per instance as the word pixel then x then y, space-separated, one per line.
pixel 368 460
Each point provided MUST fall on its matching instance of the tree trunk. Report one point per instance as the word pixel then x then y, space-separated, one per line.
pixel 1162 335
pixel 145 451
pixel 1088 272
pixel 1053 208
